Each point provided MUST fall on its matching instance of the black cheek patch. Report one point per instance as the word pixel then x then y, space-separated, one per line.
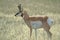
pixel 22 15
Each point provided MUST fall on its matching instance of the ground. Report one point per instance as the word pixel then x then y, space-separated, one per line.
pixel 14 28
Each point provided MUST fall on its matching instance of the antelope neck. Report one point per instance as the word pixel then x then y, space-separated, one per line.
pixel 25 16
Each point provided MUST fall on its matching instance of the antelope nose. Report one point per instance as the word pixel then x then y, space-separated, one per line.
pixel 16 14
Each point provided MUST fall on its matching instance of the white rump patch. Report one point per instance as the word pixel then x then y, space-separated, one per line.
pixel 36 24
pixel 50 21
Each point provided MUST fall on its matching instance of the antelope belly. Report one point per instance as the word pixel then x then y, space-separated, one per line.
pixel 36 24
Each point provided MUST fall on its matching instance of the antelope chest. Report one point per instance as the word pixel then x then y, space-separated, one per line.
pixel 36 24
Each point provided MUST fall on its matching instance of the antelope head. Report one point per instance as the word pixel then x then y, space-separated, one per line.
pixel 20 12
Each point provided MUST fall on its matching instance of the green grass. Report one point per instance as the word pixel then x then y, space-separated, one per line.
pixel 14 28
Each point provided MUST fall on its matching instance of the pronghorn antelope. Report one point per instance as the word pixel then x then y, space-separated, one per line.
pixel 35 22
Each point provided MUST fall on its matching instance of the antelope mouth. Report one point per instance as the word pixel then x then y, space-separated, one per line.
pixel 16 14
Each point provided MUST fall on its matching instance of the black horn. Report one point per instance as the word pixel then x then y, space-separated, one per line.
pixel 20 8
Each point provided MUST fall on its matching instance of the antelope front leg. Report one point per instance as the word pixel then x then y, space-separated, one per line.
pixel 30 32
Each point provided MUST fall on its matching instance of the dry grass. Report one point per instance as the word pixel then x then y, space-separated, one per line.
pixel 14 28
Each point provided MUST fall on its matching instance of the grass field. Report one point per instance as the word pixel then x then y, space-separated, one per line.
pixel 14 28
